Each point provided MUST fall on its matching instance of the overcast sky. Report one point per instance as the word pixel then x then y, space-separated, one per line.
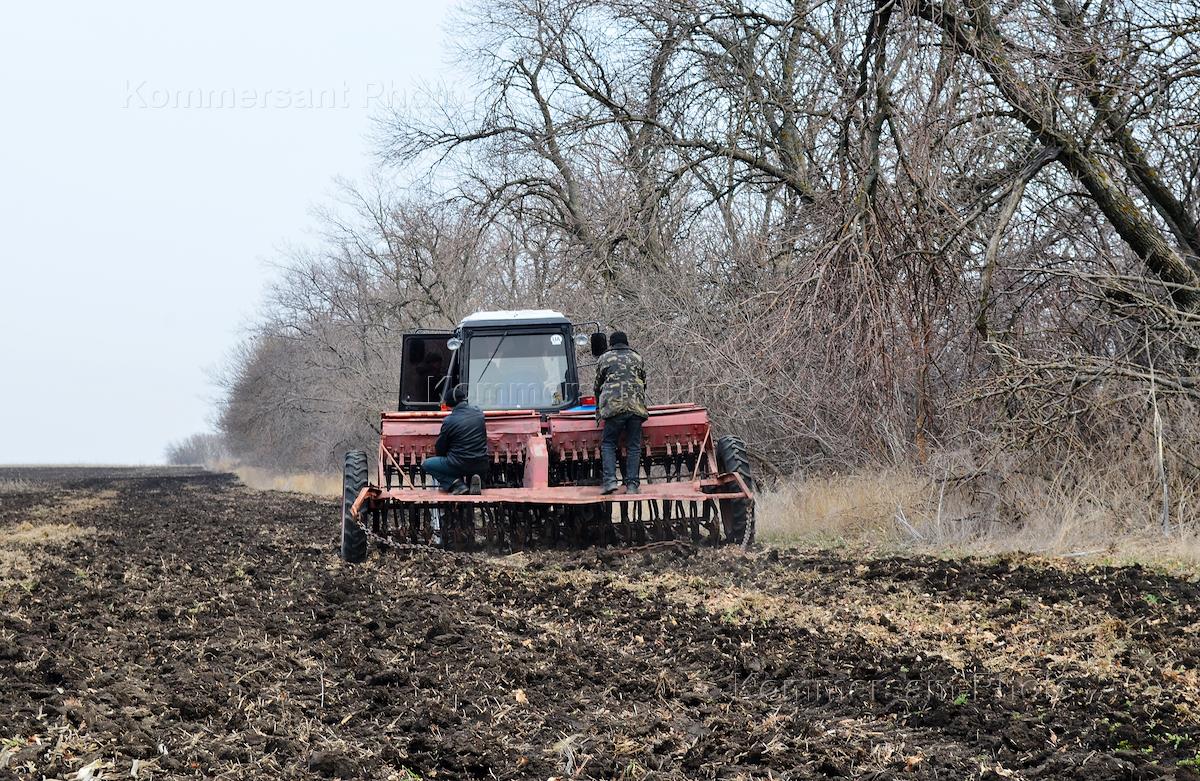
pixel 154 159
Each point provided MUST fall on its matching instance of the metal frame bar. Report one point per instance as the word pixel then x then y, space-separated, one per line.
pixel 563 495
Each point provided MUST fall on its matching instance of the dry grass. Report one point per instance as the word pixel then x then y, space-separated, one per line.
pixel 1111 512
pixel 1105 515
pixel 15 568
pixel 43 534
pixel 66 509
pixel 15 486
pixel 32 542
pixel 857 506
pixel 297 482
pixel 22 547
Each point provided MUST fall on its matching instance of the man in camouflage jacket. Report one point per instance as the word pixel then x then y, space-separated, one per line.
pixel 621 404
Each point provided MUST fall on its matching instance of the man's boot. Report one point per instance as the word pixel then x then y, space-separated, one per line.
pixel 457 488
pixel 632 488
pixel 476 486
pixel 610 487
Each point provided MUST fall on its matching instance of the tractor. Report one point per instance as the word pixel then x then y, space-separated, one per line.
pixel 543 489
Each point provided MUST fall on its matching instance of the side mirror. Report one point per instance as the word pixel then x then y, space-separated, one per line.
pixel 599 344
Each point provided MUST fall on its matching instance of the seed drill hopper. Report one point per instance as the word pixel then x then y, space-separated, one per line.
pixel 543 488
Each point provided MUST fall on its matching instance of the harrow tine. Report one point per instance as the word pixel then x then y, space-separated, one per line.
pixel 711 523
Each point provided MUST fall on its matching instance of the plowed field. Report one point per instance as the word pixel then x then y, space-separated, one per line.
pixel 167 623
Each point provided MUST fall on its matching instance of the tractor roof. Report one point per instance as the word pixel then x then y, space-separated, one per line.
pixel 516 317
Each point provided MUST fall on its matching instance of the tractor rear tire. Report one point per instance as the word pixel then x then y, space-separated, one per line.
pixel 354 479
pixel 735 513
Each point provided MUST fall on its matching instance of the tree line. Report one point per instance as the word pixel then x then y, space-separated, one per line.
pixel 859 232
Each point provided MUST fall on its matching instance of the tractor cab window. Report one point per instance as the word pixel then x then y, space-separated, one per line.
pixel 518 371
pixel 423 370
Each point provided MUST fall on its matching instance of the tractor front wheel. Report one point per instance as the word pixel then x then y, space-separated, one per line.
pixel 735 513
pixel 354 479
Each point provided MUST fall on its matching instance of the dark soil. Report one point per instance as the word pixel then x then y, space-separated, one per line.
pixel 209 630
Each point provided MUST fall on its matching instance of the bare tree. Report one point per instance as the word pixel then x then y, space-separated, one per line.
pixel 856 232
pixel 197 450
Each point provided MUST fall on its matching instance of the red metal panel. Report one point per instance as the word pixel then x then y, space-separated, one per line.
pixel 411 439
pixel 576 437
pixel 411 436
pixel 679 430
pixel 674 428
pixel 537 463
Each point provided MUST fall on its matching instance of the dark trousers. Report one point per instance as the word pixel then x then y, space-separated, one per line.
pixel 629 426
pixel 445 473
pixel 438 467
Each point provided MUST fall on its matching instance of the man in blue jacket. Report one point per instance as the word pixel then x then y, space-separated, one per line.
pixel 462 457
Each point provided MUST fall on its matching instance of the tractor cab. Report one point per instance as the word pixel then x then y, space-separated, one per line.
pixel 508 360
